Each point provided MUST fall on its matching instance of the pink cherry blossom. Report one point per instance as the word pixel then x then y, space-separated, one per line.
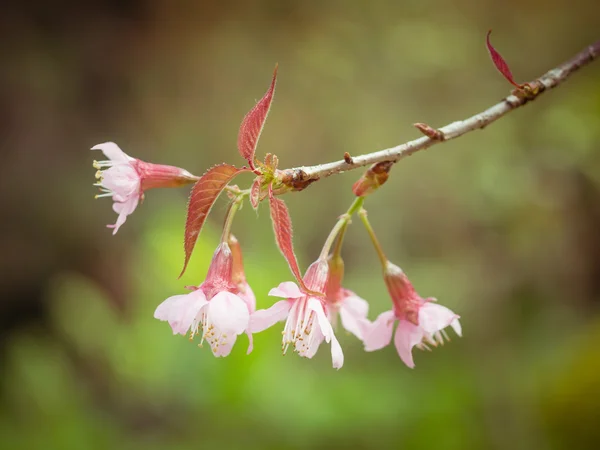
pixel 420 321
pixel 307 324
pixel 125 179
pixel 216 306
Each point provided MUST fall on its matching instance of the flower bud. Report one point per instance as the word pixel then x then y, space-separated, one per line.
pixel 372 179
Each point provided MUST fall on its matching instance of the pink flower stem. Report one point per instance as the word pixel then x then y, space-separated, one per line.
pixel 363 216
pixel 340 227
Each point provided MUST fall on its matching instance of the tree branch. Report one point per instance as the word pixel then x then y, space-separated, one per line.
pixel 299 178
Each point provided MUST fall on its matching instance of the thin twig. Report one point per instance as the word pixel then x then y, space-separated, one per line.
pixel 299 178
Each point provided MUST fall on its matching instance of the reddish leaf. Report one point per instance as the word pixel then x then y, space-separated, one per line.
pixel 282 226
pixel 500 63
pixel 253 124
pixel 255 192
pixel 203 196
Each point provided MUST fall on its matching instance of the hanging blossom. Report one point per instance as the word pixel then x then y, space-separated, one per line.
pixel 351 308
pixel 421 322
pixel 307 324
pixel 217 306
pixel 125 179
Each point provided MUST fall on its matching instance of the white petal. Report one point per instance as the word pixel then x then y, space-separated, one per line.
pixel 337 355
pixel 228 313
pixel 357 304
pixel 122 180
pixel 265 318
pixel 225 346
pixel 123 209
pixel 434 317
pixel 287 289
pixel 353 312
pixel 455 324
pixel 407 336
pixel 112 152
pixel 180 310
pixel 379 333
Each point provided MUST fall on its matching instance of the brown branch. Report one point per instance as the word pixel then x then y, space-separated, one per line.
pixel 299 178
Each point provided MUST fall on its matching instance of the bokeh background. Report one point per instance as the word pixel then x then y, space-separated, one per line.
pixel 501 225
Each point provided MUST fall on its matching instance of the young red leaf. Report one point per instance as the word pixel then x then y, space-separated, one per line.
pixel 253 124
pixel 255 192
pixel 203 196
pixel 282 226
pixel 500 63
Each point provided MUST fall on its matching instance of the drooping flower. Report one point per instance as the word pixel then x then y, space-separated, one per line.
pixel 125 179
pixel 350 307
pixel 307 324
pixel 216 306
pixel 421 322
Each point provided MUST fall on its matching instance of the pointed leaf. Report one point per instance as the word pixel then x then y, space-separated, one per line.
pixel 255 192
pixel 500 63
pixel 202 198
pixel 253 124
pixel 282 226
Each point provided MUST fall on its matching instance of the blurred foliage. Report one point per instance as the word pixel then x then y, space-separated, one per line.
pixel 500 225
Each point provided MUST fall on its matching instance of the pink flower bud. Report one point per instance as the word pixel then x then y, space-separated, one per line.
pixel 125 179
pixel 372 179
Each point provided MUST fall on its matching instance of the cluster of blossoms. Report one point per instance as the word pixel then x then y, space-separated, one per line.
pixel 223 306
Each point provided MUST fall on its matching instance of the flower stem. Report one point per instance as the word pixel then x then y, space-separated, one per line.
pixel 337 250
pixel 340 227
pixel 234 206
pixel 363 216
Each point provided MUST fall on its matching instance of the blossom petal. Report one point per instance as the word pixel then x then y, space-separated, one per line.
pixel 250 342
pixel 122 180
pixel 455 324
pixel 180 310
pixel 434 317
pixel 265 318
pixel 287 289
pixel 123 209
pixel 337 355
pixel 358 304
pixel 379 333
pixel 248 296
pixel 113 152
pixel 225 345
pixel 407 336
pixel 228 313
pixel 353 312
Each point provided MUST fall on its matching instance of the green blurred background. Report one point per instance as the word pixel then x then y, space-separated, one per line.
pixel 501 225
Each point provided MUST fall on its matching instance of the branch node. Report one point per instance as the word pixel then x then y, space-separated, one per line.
pixel 296 179
pixel 348 158
pixel 431 133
